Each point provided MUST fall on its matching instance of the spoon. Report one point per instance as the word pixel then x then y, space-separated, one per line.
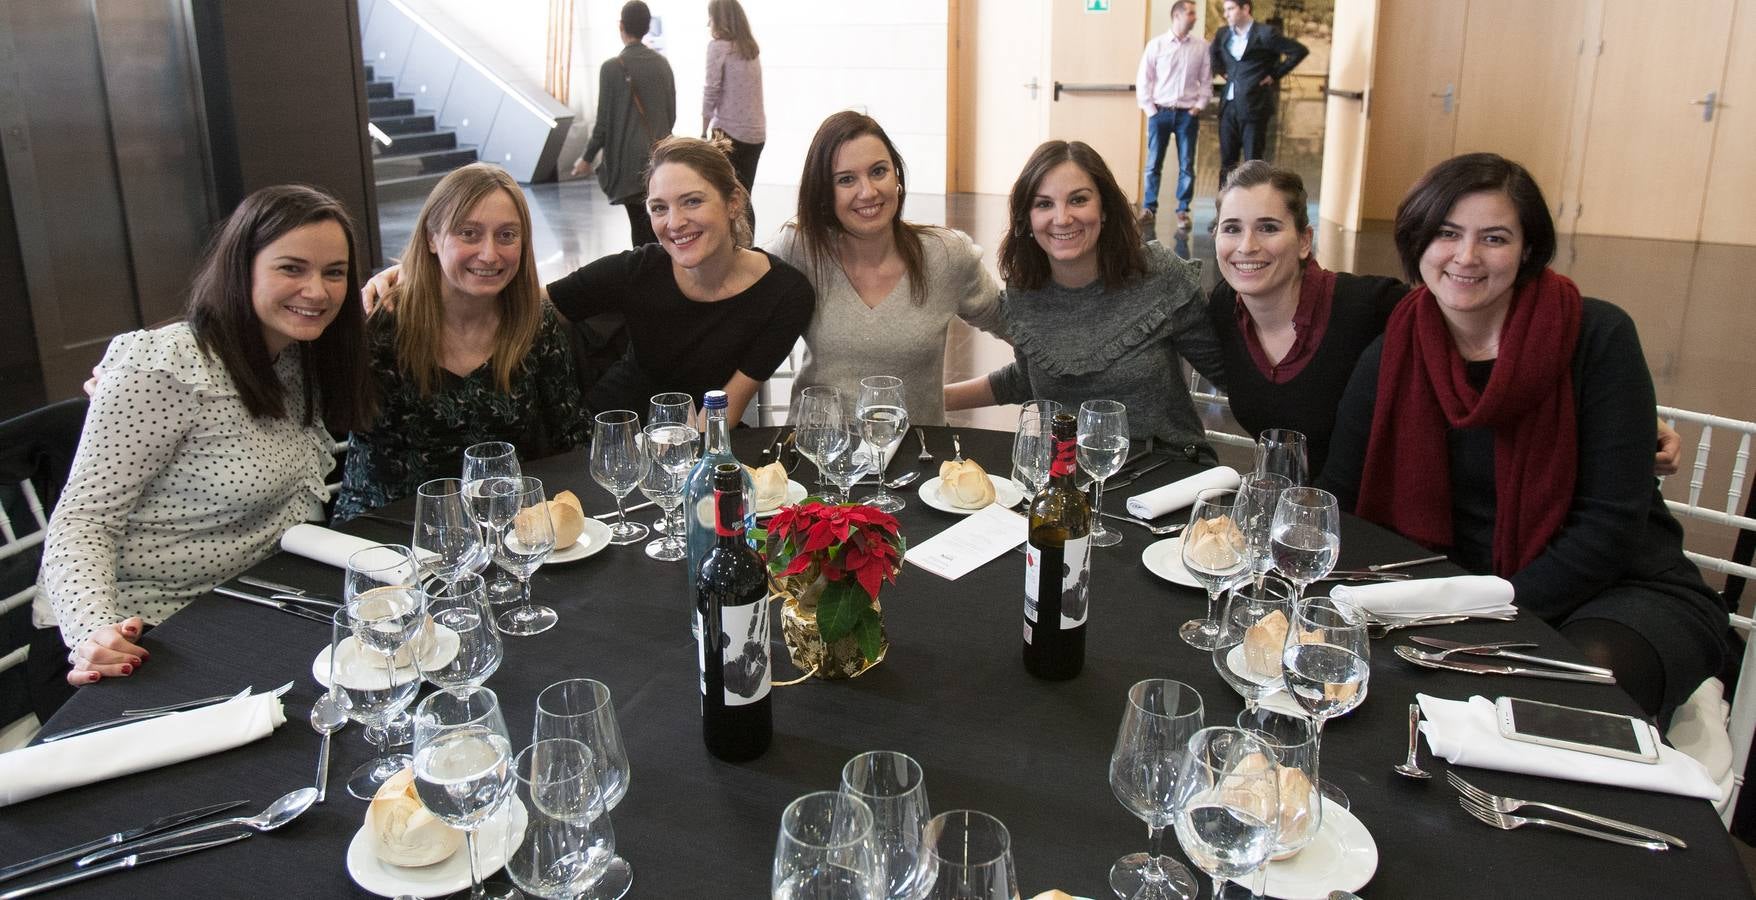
pixel 327 718
pixel 903 480
pixel 1409 767
pixel 278 813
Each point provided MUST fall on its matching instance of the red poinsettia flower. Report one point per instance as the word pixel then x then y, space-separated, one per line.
pixel 847 546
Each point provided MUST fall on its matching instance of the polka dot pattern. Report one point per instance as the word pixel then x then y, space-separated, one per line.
pixel 175 487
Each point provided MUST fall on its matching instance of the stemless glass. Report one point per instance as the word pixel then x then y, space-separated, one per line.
pixel 1281 451
pixel 568 841
pixel 968 857
pixel 461 608
pixel 617 465
pixel 1294 742
pixel 1214 552
pixel 1328 664
pixel 671 408
pixel 848 464
pixel 447 538
pixel 463 766
pixel 1227 804
pixel 826 850
pixel 521 550
pixel 580 709
pixel 895 789
pixel 1157 723
pixel 883 412
pixel 385 577
pixel 1306 535
pixel 1103 447
pixel 1253 669
pixel 670 451
pixel 819 430
pixel 486 466
pixel 1258 496
pixel 1033 449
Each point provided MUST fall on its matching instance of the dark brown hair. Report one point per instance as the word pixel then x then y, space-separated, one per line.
pixel 709 160
pixel 1285 182
pixel 223 317
pixel 636 19
pixel 1025 266
pixel 816 219
pixel 1423 212
pixel 726 21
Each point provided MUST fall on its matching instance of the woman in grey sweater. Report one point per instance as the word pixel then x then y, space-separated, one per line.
pixel 1092 313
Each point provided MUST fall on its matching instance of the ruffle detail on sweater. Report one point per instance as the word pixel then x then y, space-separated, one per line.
pixel 1170 280
pixel 173 351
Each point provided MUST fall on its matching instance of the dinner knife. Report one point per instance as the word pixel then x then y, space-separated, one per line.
pixel 1430 661
pixel 279 588
pixel 110 840
pixel 1503 653
pixel 126 862
pixel 1134 476
pixel 281 605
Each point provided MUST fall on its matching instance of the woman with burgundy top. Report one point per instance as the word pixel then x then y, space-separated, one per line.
pixel 1507 421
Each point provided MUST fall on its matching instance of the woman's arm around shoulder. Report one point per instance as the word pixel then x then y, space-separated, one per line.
pixel 1186 310
pixel 607 284
pixel 976 290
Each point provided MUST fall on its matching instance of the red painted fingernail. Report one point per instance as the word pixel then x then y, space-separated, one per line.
pixel 127 670
pixel 134 660
pixel 145 656
pixel 92 678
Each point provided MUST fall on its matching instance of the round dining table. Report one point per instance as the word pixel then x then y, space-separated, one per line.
pixel 952 693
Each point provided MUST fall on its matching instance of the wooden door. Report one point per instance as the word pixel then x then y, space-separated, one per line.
pixel 1420 53
pixel 1731 178
pixel 1647 146
pixel 1002 91
pixel 1100 50
pixel 1346 118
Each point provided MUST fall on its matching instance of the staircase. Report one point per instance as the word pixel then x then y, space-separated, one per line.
pixel 420 153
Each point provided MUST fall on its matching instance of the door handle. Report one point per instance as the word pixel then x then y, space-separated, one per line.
pixel 1033 85
pixel 1449 97
pixel 1707 104
pixel 1345 95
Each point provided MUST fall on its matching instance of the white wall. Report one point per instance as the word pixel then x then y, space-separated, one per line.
pixel 508 36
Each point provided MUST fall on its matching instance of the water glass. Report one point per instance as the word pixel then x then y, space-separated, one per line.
pixel 370 689
pixel 486 468
pixel 521 549
pixel 1294 743
pixel 1258 496
pixel 1033 449
pixel 1157 723
pixel 883 413
pixel 819 427
pixel 580 709
pixel 895 789
pixel 1305 537
pixel 1214 552
pixel 386 619
pixel 1327 664
pixel 826 850
pixel 617 465
pixel 461 607
pixel 568 842
pixel 848 464
pixel 1227 804
pixel 968 857
pixel 1103 447
pixel 1281 451
pixel 672 408
pixel 670 451
pixel 1246 652
pixel 463 766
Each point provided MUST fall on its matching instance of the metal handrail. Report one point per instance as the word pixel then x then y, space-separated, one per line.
pixel 1096 88
pixel 474 63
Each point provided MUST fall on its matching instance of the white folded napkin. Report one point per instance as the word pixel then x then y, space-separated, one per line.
pixel 1460 594
pixel 332 547
pixel 1178 494
pixel 46 768
pixel 1467 734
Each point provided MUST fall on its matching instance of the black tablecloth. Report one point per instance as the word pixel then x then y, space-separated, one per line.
pixel 953 693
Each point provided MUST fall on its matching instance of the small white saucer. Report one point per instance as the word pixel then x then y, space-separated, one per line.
pixel 439 654
pixel 592 540
pixel 1006 493
pixel 495 843
pixel 795 493
pixel 1342 857
pixel 1165 559
pixel 1276 699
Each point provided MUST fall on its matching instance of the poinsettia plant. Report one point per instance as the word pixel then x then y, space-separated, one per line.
pixel 855 549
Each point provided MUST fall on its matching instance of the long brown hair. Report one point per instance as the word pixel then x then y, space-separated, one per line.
pixel 1025 266
pixel 818 227
pixel 420 338
pixel 223 317
pixel 726 21
pixel 709 160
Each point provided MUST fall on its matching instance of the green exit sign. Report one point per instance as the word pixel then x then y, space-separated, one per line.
pixel 1097 6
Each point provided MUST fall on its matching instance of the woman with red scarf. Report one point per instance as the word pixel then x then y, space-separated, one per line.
pixel 1507 421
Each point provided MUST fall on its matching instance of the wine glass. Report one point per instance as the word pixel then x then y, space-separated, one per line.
pixel 883 412
pixel 670 451
pixel 520 550
pixel 1033 448
pixel 369 688
pixel 447 538
pixel 1247 649
pixel 1258 495
pixel 568 842
pixel 1327 665
pixel 968 857
pixel 895 789
pixel 580 709
pixel 617 465
pixel 389 621
pixel 485 468
pixel 1103 447
pixel 672 408
pixel 818 430
pixel 1227 804
pixel 1281 451
pixel 826 850
pixel 1215 554
pixel 461 606
pixel 847 464
pixel 463 766
pixel 1157 723
pixel 1306 535
pixel 1294 743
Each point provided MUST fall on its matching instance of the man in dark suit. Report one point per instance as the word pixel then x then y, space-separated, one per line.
pixel 1253 58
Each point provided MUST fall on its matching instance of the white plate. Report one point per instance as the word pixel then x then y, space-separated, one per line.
pixel 1276 699
pixel 1165 559
pixel 795 493
pixel 499 837
pixel 439 654
pixel 1005 493
pixel 592 540
pixel 1341 858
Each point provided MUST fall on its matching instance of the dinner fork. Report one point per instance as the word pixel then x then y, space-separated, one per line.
pixel 1506 805
pixel 923 456
pixel 1506 822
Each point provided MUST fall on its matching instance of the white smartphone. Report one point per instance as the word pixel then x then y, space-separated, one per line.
pixel 1586 730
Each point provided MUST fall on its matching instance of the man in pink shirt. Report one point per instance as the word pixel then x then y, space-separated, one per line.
pixel 1173 86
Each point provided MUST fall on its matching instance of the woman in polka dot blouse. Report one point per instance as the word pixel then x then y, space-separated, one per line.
pixel 209 438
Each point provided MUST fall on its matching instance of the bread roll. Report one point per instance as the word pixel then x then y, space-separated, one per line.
pixel 565 520
pixel 770 485
pixel 965 484
pixel 403 832
pixel 1215 544
pixel 571 499
pixel 1263 643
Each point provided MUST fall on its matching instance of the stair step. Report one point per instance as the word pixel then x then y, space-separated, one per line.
pixel 395 125
pixel 380 90
pixel 412 187
pixel 399 106
pixel 385 168
pixel 417 142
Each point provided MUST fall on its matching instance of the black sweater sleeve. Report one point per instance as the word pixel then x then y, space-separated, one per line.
pixel 597 287
pixel 1353 426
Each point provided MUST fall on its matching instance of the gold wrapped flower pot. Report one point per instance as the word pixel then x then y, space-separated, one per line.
pixel 798 624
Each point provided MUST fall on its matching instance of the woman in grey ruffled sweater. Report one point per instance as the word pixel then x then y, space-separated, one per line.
pixel 1092 313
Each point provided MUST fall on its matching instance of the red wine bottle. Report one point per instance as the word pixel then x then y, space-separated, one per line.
pixel 1057 566
pixel 731 609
